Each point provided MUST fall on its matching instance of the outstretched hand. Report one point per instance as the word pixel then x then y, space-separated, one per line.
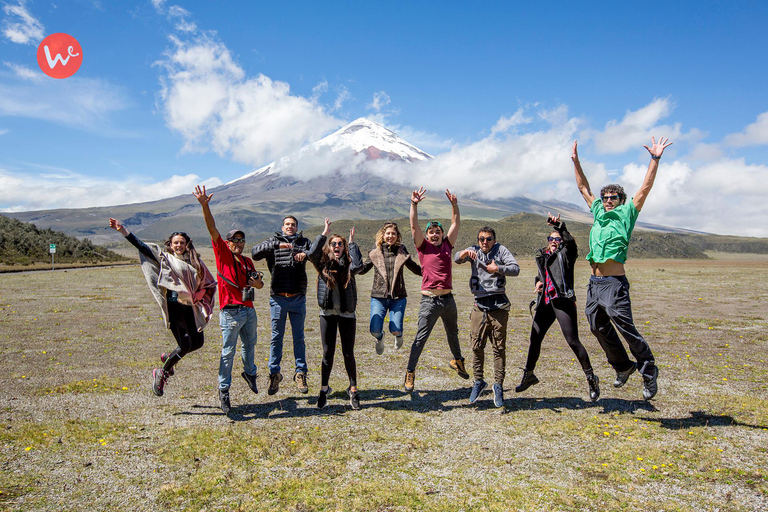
pixel 201 196
pixel 418 195
pixel 657 148
pixel 451 197
pixel 352 234
pixel 118 226
pixel 327 229
pixel 554 221
pixel 575 154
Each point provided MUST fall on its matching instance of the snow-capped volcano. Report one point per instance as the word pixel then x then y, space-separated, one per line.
pixel 360 136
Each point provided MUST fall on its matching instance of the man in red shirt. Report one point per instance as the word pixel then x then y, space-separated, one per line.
pixel 237 316
pixel 437 301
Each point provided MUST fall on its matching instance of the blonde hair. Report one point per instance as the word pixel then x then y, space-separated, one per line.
pixel 384 228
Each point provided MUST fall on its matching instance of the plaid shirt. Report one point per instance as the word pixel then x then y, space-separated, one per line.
pixel 550 292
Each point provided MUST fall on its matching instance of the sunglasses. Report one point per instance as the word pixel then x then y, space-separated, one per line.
pixel 237 240
pixel 336 244
pixel 176 233
pixel 614 197
pixel 485 239
pixel 554 239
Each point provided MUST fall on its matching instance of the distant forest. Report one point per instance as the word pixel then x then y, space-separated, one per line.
pixel 24 244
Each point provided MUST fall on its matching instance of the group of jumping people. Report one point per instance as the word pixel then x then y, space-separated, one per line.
pixel 184 288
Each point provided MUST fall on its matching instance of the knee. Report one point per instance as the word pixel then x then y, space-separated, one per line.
pixel 397 333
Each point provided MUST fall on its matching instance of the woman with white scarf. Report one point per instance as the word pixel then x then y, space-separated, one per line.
pixel 183 288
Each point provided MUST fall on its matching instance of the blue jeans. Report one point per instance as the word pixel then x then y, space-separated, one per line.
pixel 234 322
pixel 281 308
pixel 379 309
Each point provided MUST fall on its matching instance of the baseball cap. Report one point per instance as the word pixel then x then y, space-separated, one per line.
pixel 232 234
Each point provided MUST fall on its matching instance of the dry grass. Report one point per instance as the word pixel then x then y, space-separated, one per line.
pixel 81 430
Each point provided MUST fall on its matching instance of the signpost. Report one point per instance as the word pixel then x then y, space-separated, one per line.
pixel 52 250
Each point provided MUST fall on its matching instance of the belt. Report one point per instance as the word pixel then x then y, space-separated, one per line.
pixel 287 295
pixel 235 307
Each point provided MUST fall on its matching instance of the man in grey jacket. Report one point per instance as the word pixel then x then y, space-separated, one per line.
pixel 491 263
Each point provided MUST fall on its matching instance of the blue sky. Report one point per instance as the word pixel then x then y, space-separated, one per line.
pixel 175 93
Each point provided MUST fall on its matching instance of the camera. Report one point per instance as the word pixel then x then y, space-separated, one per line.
pixel 254 274
pixel 248 293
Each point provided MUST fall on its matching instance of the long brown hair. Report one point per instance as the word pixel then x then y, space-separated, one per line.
pixel 332 269
pixel 384 228
pixel 190 254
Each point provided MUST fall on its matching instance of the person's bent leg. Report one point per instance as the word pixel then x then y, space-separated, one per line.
pixel 328 326
pixel 620 312
pixel 565 311
pixel 378 312
pixel 428 314
pixel 277 315
pixel 498 330
pixel 298 314
pixel 229 331
pixel 478 322
pixel 542 321
pixel 598 294
pixel 248 340
pixel 396 319
pixel 347 328
pixel 450 318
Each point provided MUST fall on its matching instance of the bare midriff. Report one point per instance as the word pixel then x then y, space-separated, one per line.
pixel 608 268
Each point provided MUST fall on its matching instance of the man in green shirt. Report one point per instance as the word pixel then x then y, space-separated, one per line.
pixel 608 306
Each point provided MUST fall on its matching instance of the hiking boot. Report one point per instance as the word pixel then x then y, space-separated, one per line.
pixel 621 377
pixel 398 342
pixel 251 380
pixel 163 358
pixel 649 384
pixel 159 378
pixel 458 365
pixel 410 379
pixel 477 390
pixel 498 395
pixel 274 383
pixel 300 378
pixel 594 387
pixel 380 344
pixel 529 379
pixel 322 398
pixel 354 398
pixel 224 400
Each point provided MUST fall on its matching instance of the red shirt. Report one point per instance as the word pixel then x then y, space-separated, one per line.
pixel 233 270
pixel 436 265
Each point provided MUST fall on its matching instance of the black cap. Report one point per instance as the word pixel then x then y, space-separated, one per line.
pixel 232 234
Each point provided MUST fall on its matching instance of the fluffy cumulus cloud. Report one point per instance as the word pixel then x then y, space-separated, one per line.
pixel 19 26
pixel 61 188
pixel 755 134
pixel 206 97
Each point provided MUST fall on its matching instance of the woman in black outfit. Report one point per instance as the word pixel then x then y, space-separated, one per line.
pixel 556 300
pixel 336 264
pixel 183 288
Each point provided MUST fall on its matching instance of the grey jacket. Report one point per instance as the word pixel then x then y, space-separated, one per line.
pixel 483 283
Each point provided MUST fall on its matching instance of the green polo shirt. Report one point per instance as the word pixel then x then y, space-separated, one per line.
pixel 611 231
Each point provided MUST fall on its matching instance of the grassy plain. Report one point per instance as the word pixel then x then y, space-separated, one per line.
pixel 81 430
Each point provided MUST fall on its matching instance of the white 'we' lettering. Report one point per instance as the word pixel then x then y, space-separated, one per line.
pixel 58 57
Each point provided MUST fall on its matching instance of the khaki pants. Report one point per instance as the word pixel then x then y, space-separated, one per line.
pixel 493 325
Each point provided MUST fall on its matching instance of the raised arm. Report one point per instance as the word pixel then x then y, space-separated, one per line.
pixel 453 231
pixel 133 239
pixel 204 199
pixel 581 180
pixel 418 236
pixel 656 150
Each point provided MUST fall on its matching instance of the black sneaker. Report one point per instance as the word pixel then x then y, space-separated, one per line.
pixel 251 380
pixel 529 379
pixel 224 400
pixel 274 383
pixel 477 390
pixel 622 377
pixel 322 398
pixel 159 377
pixel 354 398
pixel 594 387
pixel 163 358
pixel 498 395
pixel 300 378
pixel 380 344
pixel 650 388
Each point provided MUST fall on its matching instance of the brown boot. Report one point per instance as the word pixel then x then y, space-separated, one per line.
pixel 410 379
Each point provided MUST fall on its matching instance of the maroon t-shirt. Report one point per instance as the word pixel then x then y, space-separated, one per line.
pixel 233 270
pixel 436 265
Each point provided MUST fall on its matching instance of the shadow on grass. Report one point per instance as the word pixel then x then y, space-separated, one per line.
pixel 558 404
pixel 702 419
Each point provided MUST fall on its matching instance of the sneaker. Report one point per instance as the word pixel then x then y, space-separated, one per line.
pixel 458 365
pixel 410 380
pixel 159 378
pixel 322 398
pixel 594 387
pixel 163 358
pixel 529 379
pixel 380 345
pixel 274 383
pixel 621 377
pixel 477 390
pixel 224 400
pixel 251 380
pixel 354 399
pixel 649 384
pixel 498 395
pixel 300 378
pixel 398 342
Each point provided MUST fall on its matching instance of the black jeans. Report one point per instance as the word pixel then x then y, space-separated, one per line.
pixel 608 305
pixel 346 328
pixel 184 329
pixel 430 309
pixel 564 311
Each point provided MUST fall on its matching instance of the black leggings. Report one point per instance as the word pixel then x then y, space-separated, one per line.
pixel 346 327
pixel 564 311
pixel 184 329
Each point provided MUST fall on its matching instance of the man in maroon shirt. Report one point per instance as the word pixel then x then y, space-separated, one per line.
pixel 437 301
pixel 237 316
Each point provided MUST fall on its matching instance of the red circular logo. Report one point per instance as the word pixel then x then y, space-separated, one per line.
pixel 59 55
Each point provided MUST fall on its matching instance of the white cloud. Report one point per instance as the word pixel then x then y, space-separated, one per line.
pixel 24 72
pixel 343 96
pixel 21 191
pixel 380 100
pixel 207 98
pixel 516 119
pixel 159 5
pixel 426 141
pixel 4 131
pixel 755 134
pixel 179 16
pixel 19 26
